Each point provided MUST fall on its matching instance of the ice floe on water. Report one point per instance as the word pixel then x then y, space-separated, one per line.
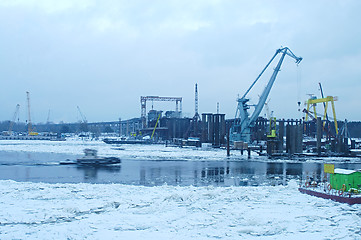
pixel 149 152
pixel 126 151
pixel 115 211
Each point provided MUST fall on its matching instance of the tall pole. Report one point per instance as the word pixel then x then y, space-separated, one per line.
pixel 228 147
pixel 319 135
pixel 120 127
pixel 196 102
pixel 196 117
pixel 29 117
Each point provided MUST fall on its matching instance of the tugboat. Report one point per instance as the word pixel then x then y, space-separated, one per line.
pixel 91 158
pixel 344 185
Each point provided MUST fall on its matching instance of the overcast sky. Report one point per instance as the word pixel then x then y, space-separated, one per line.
pixel 102 55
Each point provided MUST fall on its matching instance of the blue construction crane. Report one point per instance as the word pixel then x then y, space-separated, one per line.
pixel 241 129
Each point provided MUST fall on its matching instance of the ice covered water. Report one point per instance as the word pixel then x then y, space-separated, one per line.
pixel 162 193
pixel 117 211
pixel 149 165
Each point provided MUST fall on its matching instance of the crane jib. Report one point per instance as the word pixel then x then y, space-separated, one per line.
pixel 241 128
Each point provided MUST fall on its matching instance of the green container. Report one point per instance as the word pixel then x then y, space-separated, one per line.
pixel 351 179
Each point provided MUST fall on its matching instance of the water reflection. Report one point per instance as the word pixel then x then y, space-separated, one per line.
pixel 215 174
pixel 45 168
pixel 225 173
pixel 91 172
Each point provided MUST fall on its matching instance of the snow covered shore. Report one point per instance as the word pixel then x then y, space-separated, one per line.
pixel 126 151
pixel 114 211
pixel 147 152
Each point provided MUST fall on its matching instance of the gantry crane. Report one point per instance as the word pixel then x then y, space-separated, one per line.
pixel 241 129
pixel 313 101
pixel 143 103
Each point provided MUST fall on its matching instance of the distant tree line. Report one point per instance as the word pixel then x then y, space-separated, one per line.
pixel 57 128
pixel 16 127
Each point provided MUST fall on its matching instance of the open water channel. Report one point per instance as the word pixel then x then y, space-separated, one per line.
pixel 45 167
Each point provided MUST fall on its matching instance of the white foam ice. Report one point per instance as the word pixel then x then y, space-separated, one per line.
pixel 148 152
pixel 115 211
pixel 126 151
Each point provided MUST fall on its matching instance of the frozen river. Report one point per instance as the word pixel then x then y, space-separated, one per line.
pixel 160 192
pixel 151 166
pixel 44 167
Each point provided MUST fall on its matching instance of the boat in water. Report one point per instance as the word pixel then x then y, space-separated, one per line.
pixel 340 185
pixel 91 158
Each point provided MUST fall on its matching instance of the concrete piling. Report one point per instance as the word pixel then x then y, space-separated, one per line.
pixel 319 136
pixel 294 138
pixel 216 128
pixel 228 148
pixel 281 133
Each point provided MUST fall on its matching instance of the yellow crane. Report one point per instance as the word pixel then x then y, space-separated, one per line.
pixel 155 126
pixel 313 101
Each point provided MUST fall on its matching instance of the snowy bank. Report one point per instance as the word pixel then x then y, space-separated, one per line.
pixel 115 211
pixel 126 151
pixel 148 152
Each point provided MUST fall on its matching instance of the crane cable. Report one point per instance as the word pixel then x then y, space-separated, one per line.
pixel 298 82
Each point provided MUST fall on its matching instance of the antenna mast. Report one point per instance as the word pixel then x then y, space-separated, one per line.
pixel 29 116
pixel 196 114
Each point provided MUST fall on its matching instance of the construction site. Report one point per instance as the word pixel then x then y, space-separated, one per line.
pixel 316 133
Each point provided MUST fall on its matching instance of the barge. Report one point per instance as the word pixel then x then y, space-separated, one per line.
pixel 332 195
pixel 340 185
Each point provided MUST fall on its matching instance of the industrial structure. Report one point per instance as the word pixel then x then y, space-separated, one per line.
pixel 313 101
pixel 243 122
pixel 245 131
pixel 12 122
pixel 83 121
pixel 31 131
pixel 143 103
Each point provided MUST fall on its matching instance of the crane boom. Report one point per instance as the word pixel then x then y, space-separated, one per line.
pixel 241 129
pixel 16 113
pixel 81 115
pixel 31 131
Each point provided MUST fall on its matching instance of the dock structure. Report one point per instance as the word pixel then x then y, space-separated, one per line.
pixel 288 137
pixel 213 129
